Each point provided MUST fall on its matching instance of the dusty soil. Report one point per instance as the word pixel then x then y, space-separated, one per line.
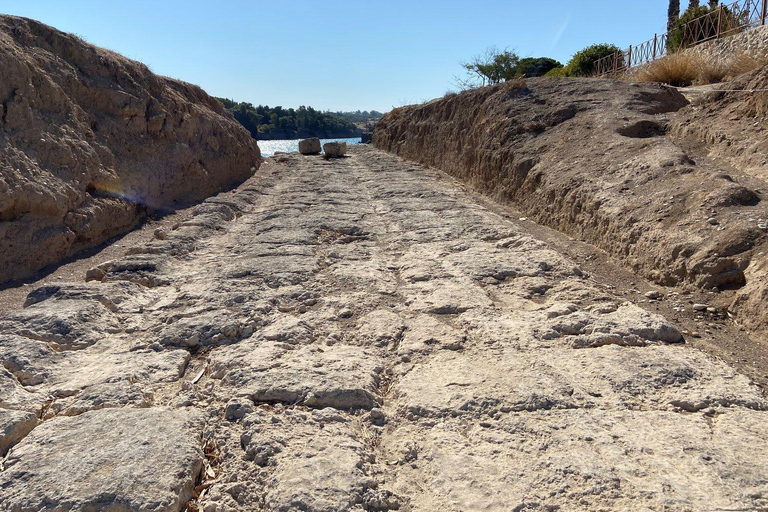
pixel 365 334
pixel 614 164
pixel 91 141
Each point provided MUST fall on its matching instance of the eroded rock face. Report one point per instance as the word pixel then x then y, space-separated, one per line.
pixel 362 335
pixel 615 164
pixel 733 128
pixel 89 140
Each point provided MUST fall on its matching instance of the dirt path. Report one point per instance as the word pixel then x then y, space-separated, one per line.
pixel 364 334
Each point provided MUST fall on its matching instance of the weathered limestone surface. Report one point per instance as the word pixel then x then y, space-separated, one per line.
pixel 14 426
pixel 362 335
pixel 335 149
pixel 118 459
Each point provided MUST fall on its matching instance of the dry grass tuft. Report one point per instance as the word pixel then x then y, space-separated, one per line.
pixel 745 63
pixel 686 68
pixel 679 70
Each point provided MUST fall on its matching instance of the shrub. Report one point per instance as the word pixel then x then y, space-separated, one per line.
pixel 583 62
pixel 557 72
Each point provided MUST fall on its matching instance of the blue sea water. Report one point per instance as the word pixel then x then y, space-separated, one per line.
pixel 270 147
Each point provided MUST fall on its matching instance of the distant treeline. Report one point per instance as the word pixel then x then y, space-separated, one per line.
pixel 274 123
pixel 359 116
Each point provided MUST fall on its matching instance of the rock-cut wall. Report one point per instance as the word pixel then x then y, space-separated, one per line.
pixel 592 158
pixel 90 141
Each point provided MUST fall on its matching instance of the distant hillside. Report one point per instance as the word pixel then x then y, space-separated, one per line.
pixel 274 123
pixel 362 119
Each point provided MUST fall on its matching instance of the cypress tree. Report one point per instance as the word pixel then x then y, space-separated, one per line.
pixel 673 13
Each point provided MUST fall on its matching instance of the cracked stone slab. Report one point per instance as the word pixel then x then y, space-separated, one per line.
pixel 14 396
pixel 316 459
pixel 122 460
pixel 105 395
pixel 288 329
pixel 149 270
pixel 426 334
pixel 339 376
pixel 525 258
pixel 30 361
pixel 65 324
pixel 456 384
pixel 14 426
pixel 368 275
pixel 659 376
pixel 275 271
pixel 447 297
pixel 585 460
pixel 626 324
pixel 610 377
pixel 118 297
pixel 85 369
pixel 208 328
pixel 43 370
pixel 379 328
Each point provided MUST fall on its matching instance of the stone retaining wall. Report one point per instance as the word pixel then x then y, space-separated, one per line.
pixel 753 42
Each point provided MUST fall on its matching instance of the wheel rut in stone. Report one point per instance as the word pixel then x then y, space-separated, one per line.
pixel 362 335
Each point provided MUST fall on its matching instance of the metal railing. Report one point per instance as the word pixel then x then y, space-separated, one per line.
pixel 724 21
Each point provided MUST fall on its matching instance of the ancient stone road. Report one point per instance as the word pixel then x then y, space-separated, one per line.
pixel 360 335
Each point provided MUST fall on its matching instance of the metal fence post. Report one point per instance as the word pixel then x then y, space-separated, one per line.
pixel 654 45
pixel 719 21
pixel 765 11
pixel 628 64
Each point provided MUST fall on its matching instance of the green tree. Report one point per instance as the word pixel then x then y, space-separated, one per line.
pixel 539 66
pixel 683 37
pixel 583 62
pixel 488 68
pixel 266 123
pixel 494 66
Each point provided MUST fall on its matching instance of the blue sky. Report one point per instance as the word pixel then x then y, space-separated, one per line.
pixel 339 55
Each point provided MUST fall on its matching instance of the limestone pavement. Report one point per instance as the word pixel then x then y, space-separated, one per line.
pixel 361 334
